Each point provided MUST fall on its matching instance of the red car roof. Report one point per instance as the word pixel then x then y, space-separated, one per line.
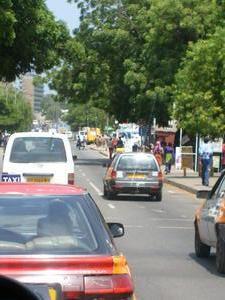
pixel 40 189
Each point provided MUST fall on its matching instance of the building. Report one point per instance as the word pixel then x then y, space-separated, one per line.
pixel 32 93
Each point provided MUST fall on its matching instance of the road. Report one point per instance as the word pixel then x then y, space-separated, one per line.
pixel 159 238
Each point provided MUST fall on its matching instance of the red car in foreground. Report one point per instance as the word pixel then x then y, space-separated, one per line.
pixel 55 234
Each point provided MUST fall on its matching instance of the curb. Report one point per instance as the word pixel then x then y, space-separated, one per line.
pixel 181 186
pixel 103 153
pixel 100 151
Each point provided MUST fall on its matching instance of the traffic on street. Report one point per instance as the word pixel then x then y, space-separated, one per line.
pixel 159 237
pixel 112 150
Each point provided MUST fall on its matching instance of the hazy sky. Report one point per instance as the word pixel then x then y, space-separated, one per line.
pixel 64 11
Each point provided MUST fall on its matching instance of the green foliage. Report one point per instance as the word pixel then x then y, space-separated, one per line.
pixel 30 38
pixel 82 115
pixel 50 108
pixel 16 114
pixel 200 90
pixel 126 53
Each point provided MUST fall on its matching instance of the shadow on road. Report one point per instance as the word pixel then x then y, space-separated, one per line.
pixel 208 263
pixel 132 198
pixel 92 161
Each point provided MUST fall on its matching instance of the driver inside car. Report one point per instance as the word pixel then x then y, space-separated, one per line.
pixel 57 222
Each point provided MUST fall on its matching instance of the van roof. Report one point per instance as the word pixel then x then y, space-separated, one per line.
pixel 38 134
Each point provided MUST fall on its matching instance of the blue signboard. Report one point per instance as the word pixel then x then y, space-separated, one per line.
pixel 10 178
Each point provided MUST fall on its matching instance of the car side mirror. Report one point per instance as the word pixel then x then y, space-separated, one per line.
pixel 203 194
pixel 116 229
pixel 74 157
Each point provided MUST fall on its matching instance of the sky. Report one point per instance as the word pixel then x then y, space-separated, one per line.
pixel 65 11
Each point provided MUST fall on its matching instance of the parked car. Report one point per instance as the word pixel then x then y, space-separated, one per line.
pixel 133 173
pixel 210 223
pixel 55 234
pixel 39 157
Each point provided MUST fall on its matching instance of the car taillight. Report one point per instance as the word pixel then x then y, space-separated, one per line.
pixel 113 174
pixel 118 287
pixel 160 175
pixel 71 178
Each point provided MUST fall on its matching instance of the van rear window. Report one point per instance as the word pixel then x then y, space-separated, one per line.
pixel 38 149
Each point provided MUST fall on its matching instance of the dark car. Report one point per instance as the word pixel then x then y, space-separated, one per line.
pixel 56 235
pixel 210 223
pixel 133 173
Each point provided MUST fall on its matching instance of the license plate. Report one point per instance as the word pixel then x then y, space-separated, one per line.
pixel 136 176
pixel 38 179
pixel 10 178
pixel 52 293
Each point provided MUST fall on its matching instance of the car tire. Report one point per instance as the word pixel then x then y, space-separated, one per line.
pixel 220 254
pixel 201 249
pixel 104 191
pixel 110 195
pixel 158 196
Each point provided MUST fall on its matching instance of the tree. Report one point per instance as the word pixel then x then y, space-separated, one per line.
pixel 30 38
pixel 50 108
pixel 126 53
pixel 200 87
pixel 16 114
pixel 82 115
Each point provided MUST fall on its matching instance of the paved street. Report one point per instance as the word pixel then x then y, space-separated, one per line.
pixel 159 238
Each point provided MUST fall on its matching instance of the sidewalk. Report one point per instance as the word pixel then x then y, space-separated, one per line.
pixel 191 183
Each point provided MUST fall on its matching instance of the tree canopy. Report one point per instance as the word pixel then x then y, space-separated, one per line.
pixel 200 89
pixel 85 115
pixel 30 38
pixel 126 53
pixel 16 114
pixel 50 108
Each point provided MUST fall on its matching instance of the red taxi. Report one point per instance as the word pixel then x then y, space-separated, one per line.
pixel 55 234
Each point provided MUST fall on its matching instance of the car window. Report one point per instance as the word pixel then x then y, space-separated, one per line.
pixel 216 187
pixel 48 225
pixel 37 149
pixel 136 162
pixel 220 191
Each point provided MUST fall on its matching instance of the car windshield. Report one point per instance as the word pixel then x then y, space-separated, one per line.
pixel 137 162
pixel 38 149
pixel 49 225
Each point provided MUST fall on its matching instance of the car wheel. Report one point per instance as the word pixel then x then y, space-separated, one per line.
pixel 220 254
pixel 201 249
pixel 110 195
pixel 158 196
pixel 104 191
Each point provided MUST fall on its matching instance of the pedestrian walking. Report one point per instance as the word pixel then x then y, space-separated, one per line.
pixel 206 153
pixel 110 147
pixel 169 157
pixel 158 152
pixel 114 141
pixel 120 143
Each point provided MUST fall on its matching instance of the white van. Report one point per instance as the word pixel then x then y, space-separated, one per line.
pixel 39 157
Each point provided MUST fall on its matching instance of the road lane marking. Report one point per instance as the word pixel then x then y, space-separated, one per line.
pixel 158 211
pixel 133 226
pixel 175 227
pixel 177 220
pixel 83 174
pixel 111 206
pixel 95 188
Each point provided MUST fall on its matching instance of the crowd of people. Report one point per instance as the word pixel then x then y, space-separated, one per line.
pixel 164 155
